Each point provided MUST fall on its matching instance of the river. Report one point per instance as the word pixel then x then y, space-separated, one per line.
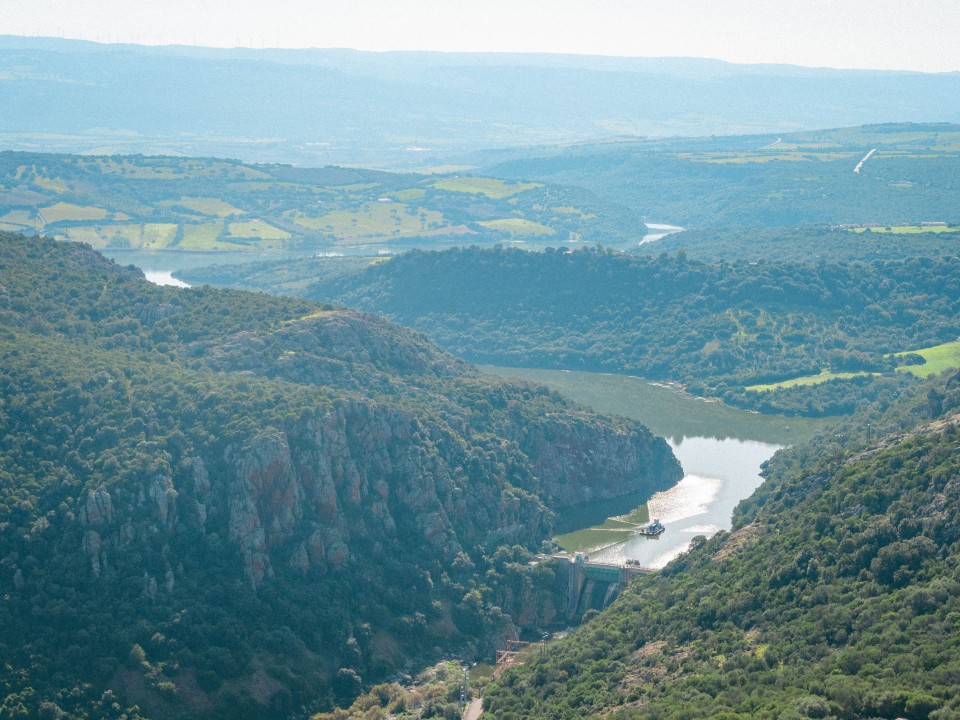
pixel 720 448
pixel 164 277
pixel 658 231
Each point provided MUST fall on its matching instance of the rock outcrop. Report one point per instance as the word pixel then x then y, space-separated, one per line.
pixel 306 497
pixel 582 459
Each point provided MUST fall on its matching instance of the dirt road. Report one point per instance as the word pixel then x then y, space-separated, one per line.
pixel 473 709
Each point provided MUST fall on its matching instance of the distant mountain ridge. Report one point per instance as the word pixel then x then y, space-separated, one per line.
pixel 408 109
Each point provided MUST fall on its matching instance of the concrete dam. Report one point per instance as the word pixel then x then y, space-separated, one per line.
pixel 591 585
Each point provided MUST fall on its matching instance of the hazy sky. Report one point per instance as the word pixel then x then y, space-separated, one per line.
pixel 888 34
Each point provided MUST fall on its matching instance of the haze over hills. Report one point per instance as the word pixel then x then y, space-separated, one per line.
pixel 224 504
pixel 553 196
pixel 415 109
pixel 886 174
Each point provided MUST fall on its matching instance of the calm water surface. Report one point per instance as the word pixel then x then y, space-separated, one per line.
pixel 720 448
pixel 717 475
pixel 163 277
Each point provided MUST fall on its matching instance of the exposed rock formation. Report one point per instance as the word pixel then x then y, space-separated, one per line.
pixel 302 498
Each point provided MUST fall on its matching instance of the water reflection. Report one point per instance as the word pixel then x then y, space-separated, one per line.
pixel 164 277
pixel 718 474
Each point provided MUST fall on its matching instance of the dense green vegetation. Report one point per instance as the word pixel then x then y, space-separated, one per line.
pixel 806 244
pixel 835 596
pixel 435 692
pixel 716 328
pixel 223 504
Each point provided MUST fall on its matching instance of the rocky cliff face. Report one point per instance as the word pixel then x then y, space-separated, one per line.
pixel 582 459
pixel 304 496
pixel 363 477
pixel 188 504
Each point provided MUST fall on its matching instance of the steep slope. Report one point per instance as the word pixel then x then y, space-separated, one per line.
pixel 215 503
pixel 836 595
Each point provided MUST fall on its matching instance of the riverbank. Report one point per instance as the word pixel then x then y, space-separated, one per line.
pixel 721 449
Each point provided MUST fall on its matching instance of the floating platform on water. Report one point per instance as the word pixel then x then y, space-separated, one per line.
pixel 652 530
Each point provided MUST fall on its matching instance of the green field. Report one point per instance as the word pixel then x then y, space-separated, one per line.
pixel 570 210
pixel 103 236
pixel 938 358
pixel 372 220
pixel 205 206
pixel 56 185
pixel 157 236
pixel 491 187
pixel 517 226
pixel 130 236
pixel 257 229
pixel 62 211
pixel 19 218
pixel 408 194
pixel 202 237
pixel 806 380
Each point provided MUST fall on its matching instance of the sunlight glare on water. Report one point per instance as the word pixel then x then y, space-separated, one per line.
pixel 718 474
pixel 689 497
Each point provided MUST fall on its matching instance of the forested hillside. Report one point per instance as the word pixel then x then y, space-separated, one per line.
pixel 718 328
pixel 223 504
pixel 810 245
pixel 835 596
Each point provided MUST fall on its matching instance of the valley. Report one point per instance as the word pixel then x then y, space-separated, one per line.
pixel 327 377
pixel 720 448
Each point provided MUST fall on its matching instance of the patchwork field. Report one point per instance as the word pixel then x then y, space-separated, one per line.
pixel 517 226
pixel 491 187
pixel 207 205
pixel 372 220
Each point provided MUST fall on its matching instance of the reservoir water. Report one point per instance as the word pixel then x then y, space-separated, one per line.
pixel 164 277
pixel 720 448
pixel 717 475
pixel 658 231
